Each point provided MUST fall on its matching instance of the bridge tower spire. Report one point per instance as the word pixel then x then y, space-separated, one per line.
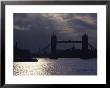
pixel 85 42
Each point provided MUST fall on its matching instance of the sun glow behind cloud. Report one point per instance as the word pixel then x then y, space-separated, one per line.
pixel 65 22
pixel 62 26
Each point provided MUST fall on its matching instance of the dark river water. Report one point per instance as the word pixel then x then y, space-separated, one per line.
pixel 62 66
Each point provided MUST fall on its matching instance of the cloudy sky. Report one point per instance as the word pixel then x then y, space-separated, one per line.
pixel 33 30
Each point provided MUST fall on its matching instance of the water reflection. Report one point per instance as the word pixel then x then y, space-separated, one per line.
pixel 62 66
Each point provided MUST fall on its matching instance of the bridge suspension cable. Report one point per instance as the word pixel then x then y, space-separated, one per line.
pixel 91 46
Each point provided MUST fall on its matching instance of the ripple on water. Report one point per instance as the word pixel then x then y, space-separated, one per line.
pixel 56 67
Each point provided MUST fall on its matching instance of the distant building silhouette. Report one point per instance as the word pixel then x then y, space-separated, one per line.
pixel 22 54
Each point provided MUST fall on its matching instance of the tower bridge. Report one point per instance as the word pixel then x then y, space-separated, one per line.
pixel 55 53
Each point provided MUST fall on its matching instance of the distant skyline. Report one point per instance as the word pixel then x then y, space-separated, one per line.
pixel 33 30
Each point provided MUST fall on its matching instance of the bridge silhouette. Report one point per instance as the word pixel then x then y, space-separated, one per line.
pixel 87 51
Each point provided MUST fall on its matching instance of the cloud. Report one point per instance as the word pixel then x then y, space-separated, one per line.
pixel 35 29
pixel 85 18
pixel 16 27
pixel 61 22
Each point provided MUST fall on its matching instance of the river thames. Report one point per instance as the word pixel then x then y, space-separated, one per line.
pixel 61 66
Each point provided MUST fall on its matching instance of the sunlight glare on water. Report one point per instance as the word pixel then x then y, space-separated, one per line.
pixel 62 66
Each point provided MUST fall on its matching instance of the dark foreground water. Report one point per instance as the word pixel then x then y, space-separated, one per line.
pixel 62 66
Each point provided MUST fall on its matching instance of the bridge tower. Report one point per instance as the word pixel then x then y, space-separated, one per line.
pixel 85 42
pixel 53 45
